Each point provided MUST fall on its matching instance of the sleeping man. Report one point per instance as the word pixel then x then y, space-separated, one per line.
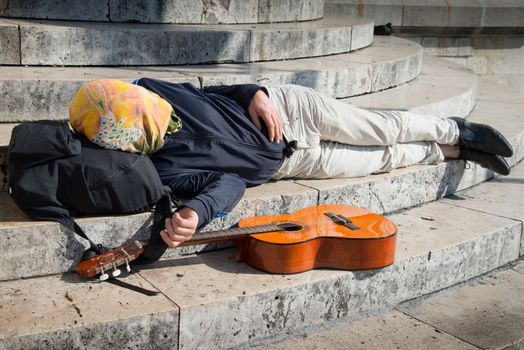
pixel 238 136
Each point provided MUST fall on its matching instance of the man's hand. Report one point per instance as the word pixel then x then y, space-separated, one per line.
pixel 261 107
pixel 180 227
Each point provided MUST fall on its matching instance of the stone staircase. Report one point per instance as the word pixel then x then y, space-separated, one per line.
pixel 207 300
pixel 484 35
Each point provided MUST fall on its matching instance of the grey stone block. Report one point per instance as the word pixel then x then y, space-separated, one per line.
pixel 32 93
pixel 84 10
pixel 433 15
pixel 440 46
pixel 40 248
pixel 158 11
pixel 380 13
pixel 486 313
pixel 125 45
pixel 395 73
pixel 37 99
pixel 229 11
pixel 75 43
pixel 9 44
pixel 470 16
pixel 465 47
pixel 46 93
pixel 275 45
pixel 330 78
pixel 401 188
pixel 486 198
pixel 289 10
pixel 167 11
pixel 499 15
pixel 361 35
pixel 64 312
pixel 393 329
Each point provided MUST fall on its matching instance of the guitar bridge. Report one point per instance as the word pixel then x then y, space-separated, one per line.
pixel 341 220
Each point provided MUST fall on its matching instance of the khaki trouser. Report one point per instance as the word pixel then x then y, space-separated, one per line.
pixel 336 139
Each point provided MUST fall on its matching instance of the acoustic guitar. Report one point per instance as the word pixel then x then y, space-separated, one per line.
pixel 323 236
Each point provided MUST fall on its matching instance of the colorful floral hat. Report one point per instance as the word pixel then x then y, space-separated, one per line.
pixel 119 115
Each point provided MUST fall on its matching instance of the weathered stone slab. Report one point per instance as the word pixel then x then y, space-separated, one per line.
pixel 167 11
pixel 32 248
pixel 163 11
pixel 270 45
pixel 445 96
pixel 381 13
pixel 361 35
pixel 267 305
pixel 431 14
pixel 401 188
pixel 84 10
pixel 389 72
pixel 32 93
pixel 441 46
pixel 488 313
pixel 434 13
pixel 80 43
pixel 487 198
pixel 508 13
pixel 393 330
pixel 289 10
pixel 63 312
pixel 9 44
pixel 129 45
pixel 329 36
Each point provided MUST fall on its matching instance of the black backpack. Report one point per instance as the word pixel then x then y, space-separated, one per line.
pixel 57 174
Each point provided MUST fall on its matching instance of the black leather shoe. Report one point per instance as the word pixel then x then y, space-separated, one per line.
pixel 482 137
pixel 486 160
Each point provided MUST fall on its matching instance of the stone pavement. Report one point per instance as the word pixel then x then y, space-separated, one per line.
pixel 486 313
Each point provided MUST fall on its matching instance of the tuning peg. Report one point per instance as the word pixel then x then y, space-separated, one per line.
pixel 116 271
pixel 103 276
pixel 128 268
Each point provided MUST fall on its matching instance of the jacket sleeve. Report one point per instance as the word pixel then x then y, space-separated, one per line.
pixel 243 94
pixel 208 193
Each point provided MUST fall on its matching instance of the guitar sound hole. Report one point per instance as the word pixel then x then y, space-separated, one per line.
pixel 290 227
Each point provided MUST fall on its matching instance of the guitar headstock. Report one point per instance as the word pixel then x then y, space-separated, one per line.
pixel 110 260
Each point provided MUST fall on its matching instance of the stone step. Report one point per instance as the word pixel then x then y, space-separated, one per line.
pixel 59 251
pixel 483 313
pixel 68 43
pixel 32 93
pixel 211 301
pixel 168 11
pixel 434 13
pixel 448 90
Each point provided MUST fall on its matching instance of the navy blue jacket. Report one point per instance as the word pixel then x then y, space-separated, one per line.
pixel 218 151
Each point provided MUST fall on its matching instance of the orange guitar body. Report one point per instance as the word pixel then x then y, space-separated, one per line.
pixel 318 242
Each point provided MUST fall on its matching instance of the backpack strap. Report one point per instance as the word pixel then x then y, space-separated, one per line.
pixel 156 246
pixel 71 224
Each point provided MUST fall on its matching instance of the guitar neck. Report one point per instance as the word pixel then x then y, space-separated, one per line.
pixel 228 234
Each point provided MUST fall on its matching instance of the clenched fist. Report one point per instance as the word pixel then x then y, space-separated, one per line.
pixel 181 227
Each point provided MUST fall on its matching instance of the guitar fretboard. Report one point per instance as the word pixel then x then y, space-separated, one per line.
pixel 234 232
